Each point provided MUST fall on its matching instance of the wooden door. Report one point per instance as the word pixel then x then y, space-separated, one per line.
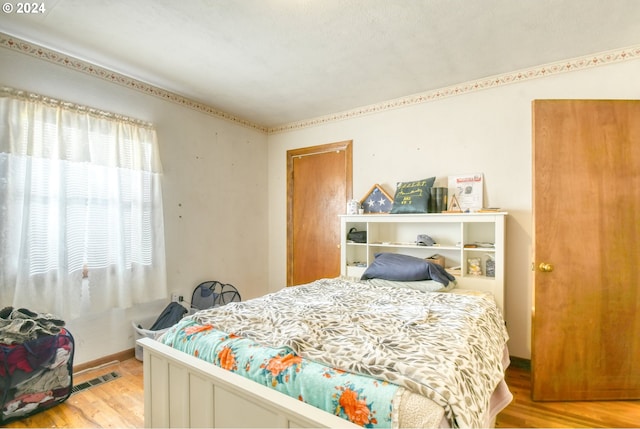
pixel 586 208
pixel 319 184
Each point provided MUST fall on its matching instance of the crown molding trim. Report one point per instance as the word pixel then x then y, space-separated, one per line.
pixel 575 64
pixel 571 65
pixel 36 51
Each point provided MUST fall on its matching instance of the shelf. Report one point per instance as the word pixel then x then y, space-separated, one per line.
pixel 479 278
pixel 480 249
pixel 413 246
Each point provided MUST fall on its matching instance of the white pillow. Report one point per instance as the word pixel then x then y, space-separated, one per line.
pixel 421 285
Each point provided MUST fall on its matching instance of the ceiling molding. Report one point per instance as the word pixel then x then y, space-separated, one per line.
pixel 34 50
pixel 580 63
pixel 576 64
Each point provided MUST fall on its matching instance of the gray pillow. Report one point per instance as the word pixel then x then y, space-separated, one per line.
pixel 396 266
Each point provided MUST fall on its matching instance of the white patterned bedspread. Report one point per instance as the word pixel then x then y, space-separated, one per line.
pixel 447 347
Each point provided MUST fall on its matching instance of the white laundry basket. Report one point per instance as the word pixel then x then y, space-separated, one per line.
pixel 140 332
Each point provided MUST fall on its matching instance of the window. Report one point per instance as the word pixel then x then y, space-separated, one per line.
pixel 81 224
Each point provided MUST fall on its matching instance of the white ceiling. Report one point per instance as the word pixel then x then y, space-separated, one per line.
pixel 273 62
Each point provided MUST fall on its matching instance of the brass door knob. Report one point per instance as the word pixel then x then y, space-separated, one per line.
pixel 545 268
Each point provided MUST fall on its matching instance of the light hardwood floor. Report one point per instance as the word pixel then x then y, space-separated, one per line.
pixel 120 403
pixel 525 413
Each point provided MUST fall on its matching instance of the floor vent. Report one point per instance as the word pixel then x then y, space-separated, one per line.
pixel 95 382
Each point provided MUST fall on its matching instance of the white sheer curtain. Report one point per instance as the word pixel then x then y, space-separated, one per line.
pixel 81 223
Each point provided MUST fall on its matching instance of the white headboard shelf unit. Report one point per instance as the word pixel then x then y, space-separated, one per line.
pixel 461 239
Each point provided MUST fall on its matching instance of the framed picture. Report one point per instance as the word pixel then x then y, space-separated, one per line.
pixel 376 201
pixel 468 191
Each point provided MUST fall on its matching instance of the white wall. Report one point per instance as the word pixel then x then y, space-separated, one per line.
pixel 225 185
pixel 488 131
pixel 215 204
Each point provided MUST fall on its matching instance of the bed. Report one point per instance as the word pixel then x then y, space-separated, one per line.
pixel 333 353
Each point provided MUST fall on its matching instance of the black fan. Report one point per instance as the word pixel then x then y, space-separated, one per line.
pixel 213 294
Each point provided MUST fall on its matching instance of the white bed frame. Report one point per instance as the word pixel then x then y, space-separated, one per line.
pixel 182 391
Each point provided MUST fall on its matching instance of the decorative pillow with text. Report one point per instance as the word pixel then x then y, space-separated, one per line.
pixel 412 197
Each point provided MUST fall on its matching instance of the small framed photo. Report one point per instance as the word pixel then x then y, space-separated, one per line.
pixel 376 201
pixel 468 191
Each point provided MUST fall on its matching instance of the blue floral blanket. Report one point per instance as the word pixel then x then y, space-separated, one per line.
pixel 360 399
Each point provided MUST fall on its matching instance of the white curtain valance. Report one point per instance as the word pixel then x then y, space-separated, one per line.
pixel 80 133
